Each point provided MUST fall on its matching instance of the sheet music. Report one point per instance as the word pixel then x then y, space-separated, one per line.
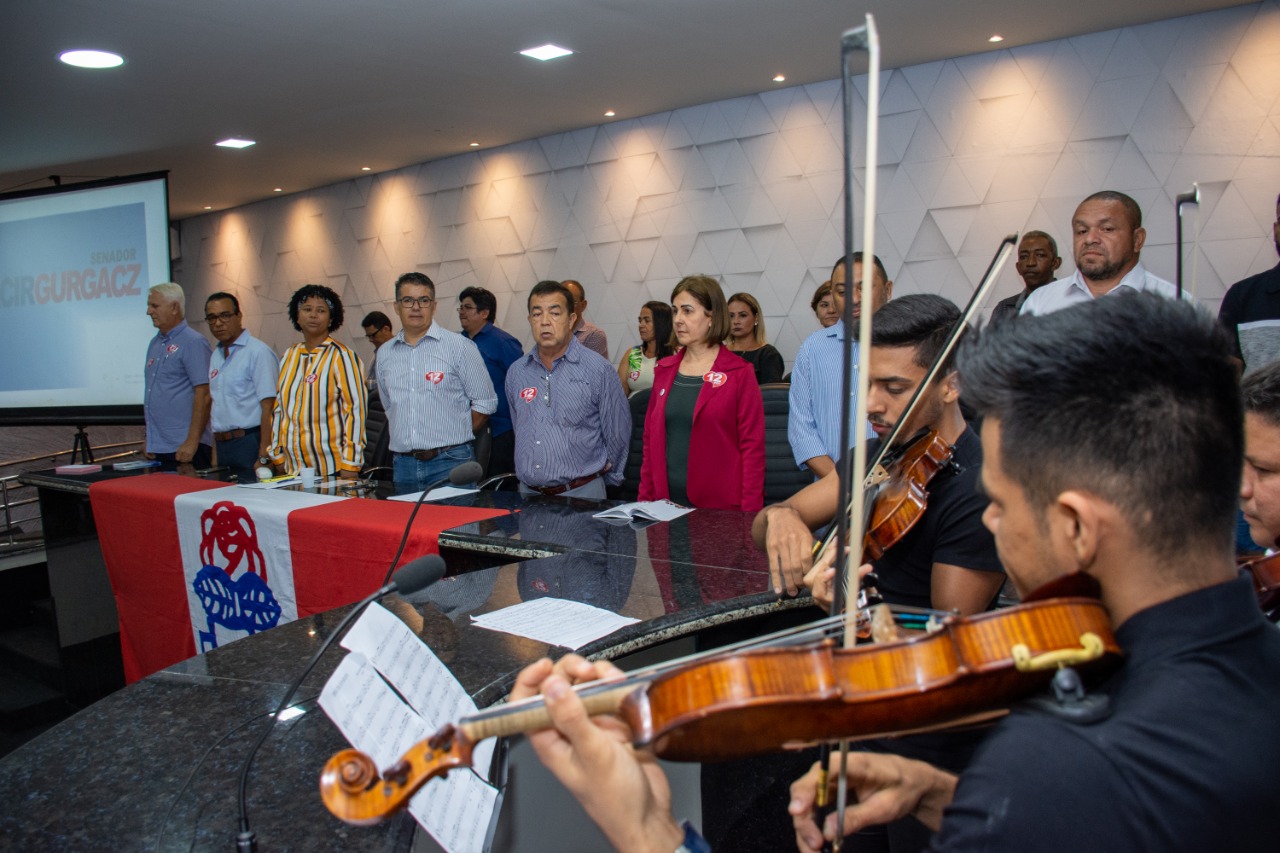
pixel 456 809
pixel 369 713
pixel 555 621
pixel 420 677
pixel 457 814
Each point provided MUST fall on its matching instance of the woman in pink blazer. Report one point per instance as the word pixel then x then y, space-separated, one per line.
pixel 704 429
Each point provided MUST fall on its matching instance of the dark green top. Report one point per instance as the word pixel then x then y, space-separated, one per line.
pixel 679 412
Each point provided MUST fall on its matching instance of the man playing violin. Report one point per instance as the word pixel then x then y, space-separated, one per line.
pixel 948 560
pixel 1113 440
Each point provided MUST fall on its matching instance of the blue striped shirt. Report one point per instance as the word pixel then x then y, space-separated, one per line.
pixel 813 423
pixel 430 388
pixel 177 362
pixel 239 382
pixel 570 422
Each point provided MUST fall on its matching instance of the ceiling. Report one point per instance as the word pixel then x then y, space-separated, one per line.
pixel 329 86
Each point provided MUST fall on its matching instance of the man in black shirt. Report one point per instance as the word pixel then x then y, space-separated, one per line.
pixel 947 560
pixel 1130 477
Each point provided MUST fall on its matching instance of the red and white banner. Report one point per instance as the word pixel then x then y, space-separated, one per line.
pixel 305 553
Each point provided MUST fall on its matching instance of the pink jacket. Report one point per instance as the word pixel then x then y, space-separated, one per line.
pixel 726 453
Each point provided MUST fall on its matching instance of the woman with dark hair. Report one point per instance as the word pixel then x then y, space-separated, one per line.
pixel 747 339
pixel 824 306
pixel 321 395
pixel 636 368
pixel 704 429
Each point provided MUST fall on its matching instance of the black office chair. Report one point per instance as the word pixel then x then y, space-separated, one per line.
pixel 782 478
pixel 629 489
pixel 377 441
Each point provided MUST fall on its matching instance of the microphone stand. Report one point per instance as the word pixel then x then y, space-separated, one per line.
pixel 413 577
pixel 1192 197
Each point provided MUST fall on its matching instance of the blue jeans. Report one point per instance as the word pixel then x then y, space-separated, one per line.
pixel 414 475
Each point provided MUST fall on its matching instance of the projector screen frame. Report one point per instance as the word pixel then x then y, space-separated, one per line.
pixel 99 414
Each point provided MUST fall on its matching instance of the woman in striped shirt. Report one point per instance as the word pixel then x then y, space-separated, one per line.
pixel 321 396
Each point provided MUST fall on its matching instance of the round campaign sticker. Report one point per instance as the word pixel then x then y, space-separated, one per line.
pixel 213 374
pixel 150 362
pixel 634 375
pixel 715 377
pixel 540 585
pixel 529 394
pixel 435 376
pixel 311 378
pixel 172 349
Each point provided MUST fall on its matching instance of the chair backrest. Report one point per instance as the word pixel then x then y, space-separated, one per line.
pixel 377 440
pixel 782 478
pixel 484 447
pixel 629 489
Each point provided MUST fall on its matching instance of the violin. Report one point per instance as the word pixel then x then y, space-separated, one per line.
pixel 901 490
pixel 1265 572
pixel 730 705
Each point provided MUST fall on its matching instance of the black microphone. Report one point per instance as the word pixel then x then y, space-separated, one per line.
pixel 412 577
pixel 461 475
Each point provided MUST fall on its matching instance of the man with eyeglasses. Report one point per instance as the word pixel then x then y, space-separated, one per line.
pixel 572 422
pixel 377 331
pixel 242 382
pixel 435 389
pixel 476 309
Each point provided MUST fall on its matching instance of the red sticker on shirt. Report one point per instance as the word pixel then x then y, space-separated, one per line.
pixel 715 377
pixel 311 378
pixel 529 394
pixel 540 585
pixel 213 374
pixel 150 362
pixel 172 348
pixel 634 375
pixel 435 376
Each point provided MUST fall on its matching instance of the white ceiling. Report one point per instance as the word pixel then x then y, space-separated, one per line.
pixel 329 86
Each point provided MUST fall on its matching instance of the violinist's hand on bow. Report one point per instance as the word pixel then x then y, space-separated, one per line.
pixel 623 790
pixel 821 579
pixel 885 787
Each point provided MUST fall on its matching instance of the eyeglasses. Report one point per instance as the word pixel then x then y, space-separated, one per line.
pixel 369 336
pixel 467 309
pixel 220 318
pixel 410 301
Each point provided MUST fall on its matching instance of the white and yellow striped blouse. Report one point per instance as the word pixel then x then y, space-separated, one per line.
pixel 320 406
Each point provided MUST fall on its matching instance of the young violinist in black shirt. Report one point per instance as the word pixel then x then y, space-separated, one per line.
pixel 1113 438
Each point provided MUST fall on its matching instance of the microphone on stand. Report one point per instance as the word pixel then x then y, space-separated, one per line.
pixel 461 475
pixel 412 577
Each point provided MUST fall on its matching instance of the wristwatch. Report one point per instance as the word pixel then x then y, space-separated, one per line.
pixel 264 460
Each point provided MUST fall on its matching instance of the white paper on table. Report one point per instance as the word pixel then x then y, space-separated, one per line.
pixel 457 814
pixel 369 714
pixel 414 670
pixel 556 621
pixel 274 484
pixel 435 494
pixel 663 510
pixel 456 809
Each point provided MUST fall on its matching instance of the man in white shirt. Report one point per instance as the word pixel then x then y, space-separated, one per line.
pixel 1107 238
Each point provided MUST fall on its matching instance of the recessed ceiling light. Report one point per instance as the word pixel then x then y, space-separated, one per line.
pixel 475 144
pixel 610 113
pixel 996 38
pixel 208 207
pixel 91 58
pixel 365 169
pixel 233 142
pixel 547 51
pixel 278 190
pixel 779 78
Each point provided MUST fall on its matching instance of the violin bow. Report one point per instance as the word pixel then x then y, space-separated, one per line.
pixel 851 509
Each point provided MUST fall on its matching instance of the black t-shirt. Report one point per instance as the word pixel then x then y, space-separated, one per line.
pixel 950 531
pixel 1187 760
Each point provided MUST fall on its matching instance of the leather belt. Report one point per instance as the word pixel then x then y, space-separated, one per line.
pixel 559 490
pixel 236 433
pixel 428 455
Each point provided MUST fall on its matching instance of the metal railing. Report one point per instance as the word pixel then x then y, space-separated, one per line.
pixel 9 484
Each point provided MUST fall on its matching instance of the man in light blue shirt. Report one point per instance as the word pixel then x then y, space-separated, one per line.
pixel 571 419
pixel 1107 240
pixel 176 395
pixel 435 389
pixel 242 381
pixel 813 424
